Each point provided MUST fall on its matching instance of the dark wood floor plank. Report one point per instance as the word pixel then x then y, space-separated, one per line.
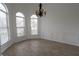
pixel 41 47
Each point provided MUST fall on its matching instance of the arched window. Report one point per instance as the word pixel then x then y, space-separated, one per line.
pixel 20 24
pixel 34 25
pixel 4 27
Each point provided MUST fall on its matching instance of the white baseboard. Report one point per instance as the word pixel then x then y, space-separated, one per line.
pixel 6 45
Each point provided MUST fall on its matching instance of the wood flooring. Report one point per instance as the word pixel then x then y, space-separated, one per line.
pixel 41 47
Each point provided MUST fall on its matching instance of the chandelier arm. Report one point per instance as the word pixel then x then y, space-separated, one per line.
pixel 41 12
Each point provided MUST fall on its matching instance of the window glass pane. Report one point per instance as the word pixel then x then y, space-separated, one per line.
pixel 33 23
pixel 3 19
pixel 3 25
pixel 19 14
pixel 34 16
pixel 4 35
pixel 19 22
pixel 34 26
pixel 2 7
pixel 20 31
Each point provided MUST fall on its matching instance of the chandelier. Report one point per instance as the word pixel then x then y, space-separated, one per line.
pixel 41 11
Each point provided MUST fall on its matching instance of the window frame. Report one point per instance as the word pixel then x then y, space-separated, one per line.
pixel 7 22
pixel 20 27
pixel 31 18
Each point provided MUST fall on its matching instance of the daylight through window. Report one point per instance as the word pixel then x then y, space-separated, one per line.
pixel 20 24
pixel 4 28
pixel 34 25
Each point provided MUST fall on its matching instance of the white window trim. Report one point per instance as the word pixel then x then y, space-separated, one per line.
pixel 7 21
pixel 21 27
pixel 37 25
